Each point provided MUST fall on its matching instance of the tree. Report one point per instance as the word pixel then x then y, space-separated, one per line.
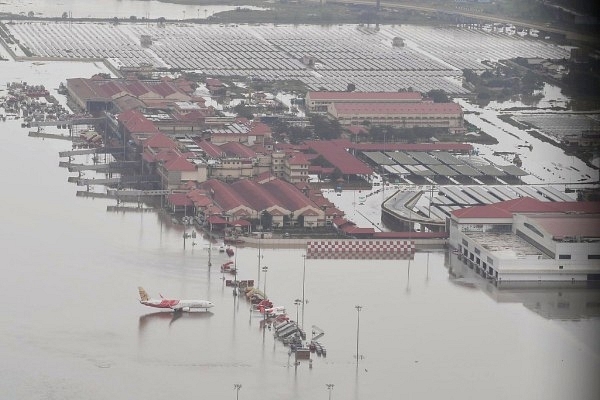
pixel 65 15
pixel 438 96
pixel 326 128
pixel 242 110
pixel 531 82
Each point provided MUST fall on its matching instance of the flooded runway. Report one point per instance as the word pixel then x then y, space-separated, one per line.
pixel 72 326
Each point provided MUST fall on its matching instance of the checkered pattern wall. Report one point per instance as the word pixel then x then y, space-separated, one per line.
pixel 359 246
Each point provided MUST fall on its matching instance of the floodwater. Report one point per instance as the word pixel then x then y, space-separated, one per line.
pixel 149 9
pixel 72 328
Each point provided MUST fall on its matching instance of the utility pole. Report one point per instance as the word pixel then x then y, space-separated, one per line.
pixel 358 309
pixel 303 280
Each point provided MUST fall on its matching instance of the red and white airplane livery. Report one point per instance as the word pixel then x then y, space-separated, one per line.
pixel 173 304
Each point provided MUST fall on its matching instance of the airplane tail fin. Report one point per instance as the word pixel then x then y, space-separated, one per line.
pixel 143 295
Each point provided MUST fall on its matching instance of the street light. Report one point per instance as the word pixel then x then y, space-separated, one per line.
pixel 237 388
pixel 265 269
pixel 259 258
pixel 297 302
pixel 358 309
pixel 303 280
pixel 330 388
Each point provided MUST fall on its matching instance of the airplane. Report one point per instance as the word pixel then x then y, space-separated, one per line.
pixel 174 304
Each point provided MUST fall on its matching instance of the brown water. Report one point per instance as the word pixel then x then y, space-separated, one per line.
pixel 71 326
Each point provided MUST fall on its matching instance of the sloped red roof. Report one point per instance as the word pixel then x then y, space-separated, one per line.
pixel 163 89
pixel 487 211
pixel 259 129
pixel 505 209
pixel 289 197
pixel 561 225
pixel 213 82
pixel 333 211
pixel 276 212
pixel 310 212
pixel 211 149
pixel 264 177
pixel 180 164
pixel 108 88
pixel 334 151
pixel 135 122
pixel 200 198
pixel 297 159
pixel 237 149
pixel 355 230
pixel 224 195
pixel 390 96
pixel 160 141
pixel 192 116
pixel 255 194
pixel 397 108
pixel 411 235
pixel 136 88
pixel 240 222
pixel 180 199
pixel 339 221
pixel 216 220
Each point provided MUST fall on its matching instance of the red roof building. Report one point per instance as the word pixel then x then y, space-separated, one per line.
pixel 334 151
pixel 402 115
pixel 526 239
pixel 319 101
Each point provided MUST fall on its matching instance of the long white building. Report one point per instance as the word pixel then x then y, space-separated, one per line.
pixel 529 240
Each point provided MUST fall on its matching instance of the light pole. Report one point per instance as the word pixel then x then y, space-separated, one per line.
pixel 297 302
pixel 264 270
pixel 330 388
pixel 358 309
pixel 237 388
pixel 259 258
pixel 303 280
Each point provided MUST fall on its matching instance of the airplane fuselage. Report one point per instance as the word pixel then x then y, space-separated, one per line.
pixel 179 305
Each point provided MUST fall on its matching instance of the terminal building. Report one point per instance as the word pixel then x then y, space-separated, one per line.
pixel 321 101
pixel 526 239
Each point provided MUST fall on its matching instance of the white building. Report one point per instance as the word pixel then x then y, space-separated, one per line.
pixel 529 240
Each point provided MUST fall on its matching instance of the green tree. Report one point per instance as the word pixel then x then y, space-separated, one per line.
pixel 242 110
pixel 438 96
pixel 326 128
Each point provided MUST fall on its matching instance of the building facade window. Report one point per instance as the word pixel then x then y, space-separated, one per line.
pixel 564 256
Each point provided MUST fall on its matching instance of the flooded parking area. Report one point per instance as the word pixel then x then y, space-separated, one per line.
pixel 389 58
pixel 557 126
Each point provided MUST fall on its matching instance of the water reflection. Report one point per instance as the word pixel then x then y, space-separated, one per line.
pixel 550 300
pixel 171 316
